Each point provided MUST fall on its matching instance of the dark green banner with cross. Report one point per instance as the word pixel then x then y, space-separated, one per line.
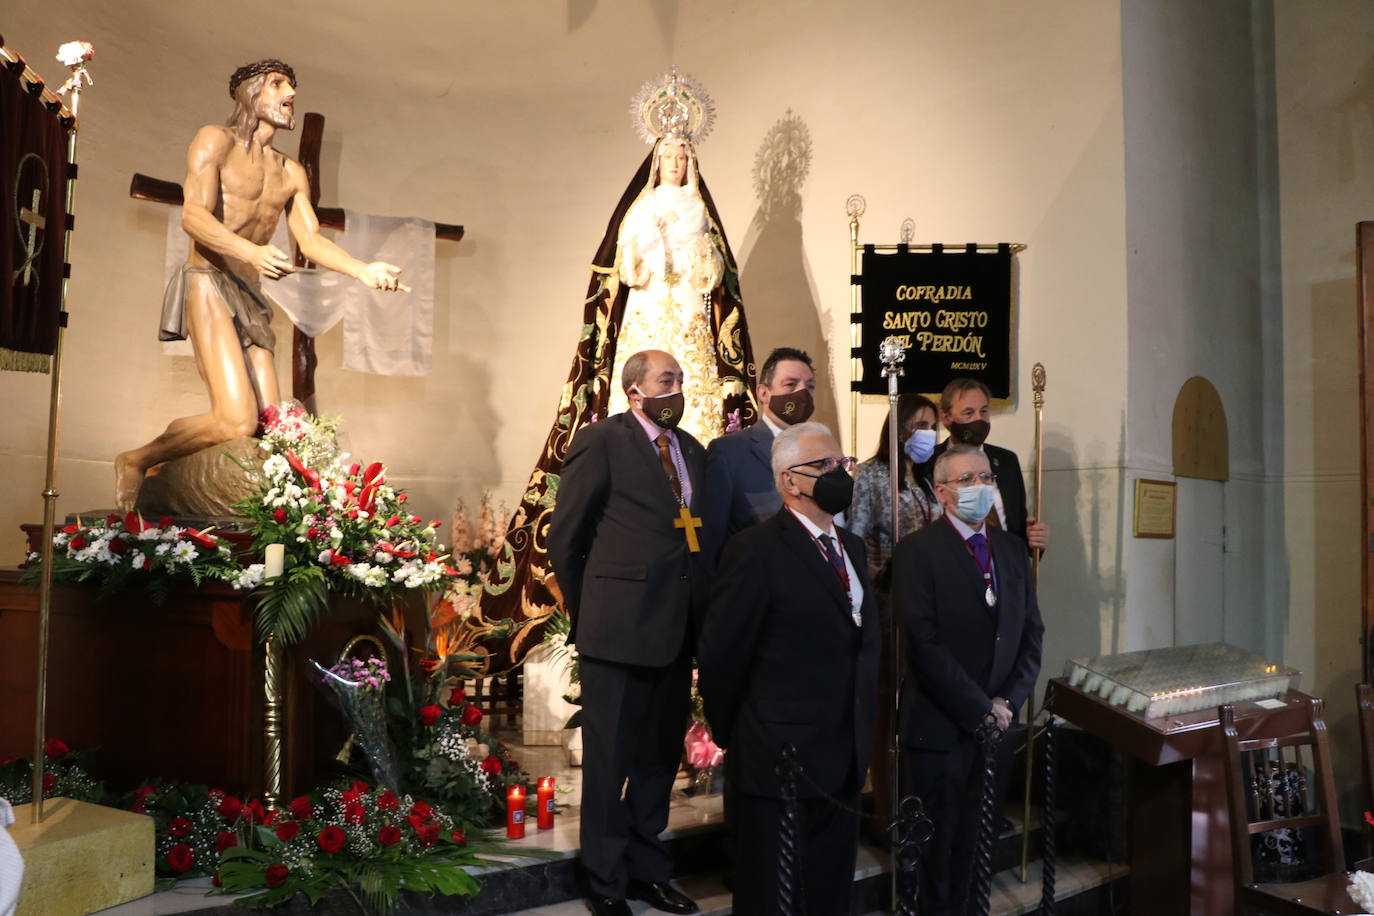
pixel 33 224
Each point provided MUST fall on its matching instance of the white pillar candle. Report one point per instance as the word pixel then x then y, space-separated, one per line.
pixel 274 558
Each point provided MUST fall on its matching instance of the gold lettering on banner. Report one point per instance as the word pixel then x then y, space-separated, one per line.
pixel 933 293
pixel 951 343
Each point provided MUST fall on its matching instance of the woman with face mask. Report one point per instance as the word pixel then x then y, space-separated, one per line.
pixel 870 515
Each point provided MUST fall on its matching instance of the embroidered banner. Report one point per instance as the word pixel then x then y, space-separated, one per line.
pixel 33 182
pixel 952 310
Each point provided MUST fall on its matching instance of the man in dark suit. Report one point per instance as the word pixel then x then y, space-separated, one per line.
pixel 632 582
pixel 789 657
pixel 964 597
pixel 965 412
pixel 740 490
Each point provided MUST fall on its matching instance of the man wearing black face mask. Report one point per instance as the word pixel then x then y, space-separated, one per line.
pixel 740 490
pixel 624 547
pixel 786 586
pixel 965 412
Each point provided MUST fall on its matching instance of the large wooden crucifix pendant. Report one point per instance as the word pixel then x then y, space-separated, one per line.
pixel 689 524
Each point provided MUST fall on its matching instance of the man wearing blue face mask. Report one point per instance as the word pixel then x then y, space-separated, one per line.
pixel 964 598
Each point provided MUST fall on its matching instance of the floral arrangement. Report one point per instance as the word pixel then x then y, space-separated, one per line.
pixel 75 53
pixel 343 527
pixel 66 774
pixel 477 551
pixel 334 837
pixel 128 551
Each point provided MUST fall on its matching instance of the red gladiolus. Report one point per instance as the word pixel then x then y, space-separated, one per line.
pixel 457 696
pixel 275 875
pixel 180 858
pixel 178 827
pixel 301 809
pixel 279 516
pixel 286 832
pixel 491 765
pixel 388 801
pixel 471 715
pixel 429 715
pixel 55 747
pixel 49 782
pixel 421 809
pixel 459 837
pixel 230 808
pixel 354 813
pixel 332 839
pixel 78 543
pixel 226 839
pixel 389 835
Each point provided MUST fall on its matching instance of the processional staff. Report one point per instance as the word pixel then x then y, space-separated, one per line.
pixel 1038 393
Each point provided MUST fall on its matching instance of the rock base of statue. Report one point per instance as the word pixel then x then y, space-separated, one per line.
pixel 201 485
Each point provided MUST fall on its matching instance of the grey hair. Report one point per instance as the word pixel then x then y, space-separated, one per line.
pixel 955 450
pixel 787 445
pixel 632 373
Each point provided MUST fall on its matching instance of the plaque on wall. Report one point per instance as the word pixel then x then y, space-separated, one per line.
pixel 1155 505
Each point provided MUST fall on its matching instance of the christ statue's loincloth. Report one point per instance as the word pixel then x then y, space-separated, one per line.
pixel 247 306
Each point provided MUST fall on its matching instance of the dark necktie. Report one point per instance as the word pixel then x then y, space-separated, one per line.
pixel 665 458
pixel 978 543
pixel 836 562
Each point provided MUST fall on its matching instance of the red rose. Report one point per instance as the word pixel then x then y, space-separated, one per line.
pixel 178 827
pixel 360 786
pixel 230 808
pixel 164 521
pixel 491 765
pixel 458 696
pixel 349 797
pixel 436 524
pixel 78 543
pixel 415 519
pixel 286 832
pixel 55 747
pixel 270 817
pixel 421 810
pixel 49 781
pixel 279 516
pixel 415 821
pixel 180 858
pixel 389 835
pixel 459 837
pixel 429 715
pixel 275 876
pixel 117 546
pixel 332 839
pixel 402 497
pixel 226 839
pixel 255 811
pixel 354 813
pixel 112 519
pixel 428 834
pixel 388 801
pixel 353 469
pixel 471 715
pixel 301 809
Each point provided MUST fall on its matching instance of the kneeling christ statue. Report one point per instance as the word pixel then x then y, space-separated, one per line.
pixel 237 186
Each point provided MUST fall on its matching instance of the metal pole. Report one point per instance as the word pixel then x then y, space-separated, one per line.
pixel 50 493
pixel 892 354
pixel 1038 387
pixel 855 207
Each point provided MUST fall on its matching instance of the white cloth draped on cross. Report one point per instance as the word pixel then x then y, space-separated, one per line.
pixel 384 333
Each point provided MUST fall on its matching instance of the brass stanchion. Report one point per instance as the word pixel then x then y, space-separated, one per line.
pixel 855 207
pixel 1038 388
pixel 274 715
pixel 892 354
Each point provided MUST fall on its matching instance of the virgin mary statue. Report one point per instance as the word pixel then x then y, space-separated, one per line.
pixel 663 278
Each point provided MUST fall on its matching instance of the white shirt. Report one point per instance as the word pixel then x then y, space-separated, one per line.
pixel 856 589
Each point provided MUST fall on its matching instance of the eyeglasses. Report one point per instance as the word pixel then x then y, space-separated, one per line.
pixel 826 465
pixel 964 480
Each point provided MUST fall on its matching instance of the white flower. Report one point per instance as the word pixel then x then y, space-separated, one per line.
pixel 184 552
pixel 335 535
pixel 137 560
pixel 251 576
pixel 162 549
pixel 276 467
pixel 323 558
pixel 74 52
pixel 382 556
pixel 150 534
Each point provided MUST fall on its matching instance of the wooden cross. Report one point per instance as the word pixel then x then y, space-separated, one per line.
pixel 302 346
pixel 689 524
pixel 36 221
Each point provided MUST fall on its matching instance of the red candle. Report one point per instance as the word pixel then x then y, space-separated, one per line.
pixel 545 809
pixel 515 813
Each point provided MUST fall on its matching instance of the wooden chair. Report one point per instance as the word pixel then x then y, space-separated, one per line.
pixel 1306 800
